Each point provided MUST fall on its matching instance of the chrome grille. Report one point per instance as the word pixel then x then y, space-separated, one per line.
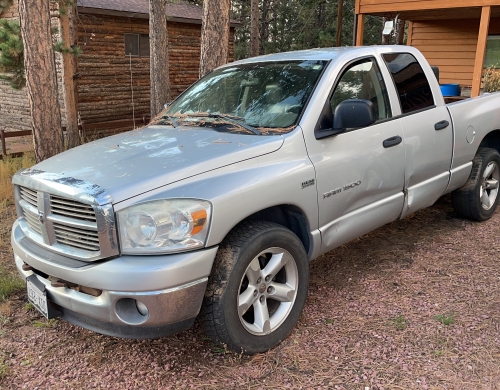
pixel 72 209
pixel 83 237
pixel 72 218
pixel 77 237
pixel 30 197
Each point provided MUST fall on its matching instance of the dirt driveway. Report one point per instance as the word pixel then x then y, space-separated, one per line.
pixel 414 305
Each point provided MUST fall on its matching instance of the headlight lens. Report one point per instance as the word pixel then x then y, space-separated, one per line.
pixel 162 226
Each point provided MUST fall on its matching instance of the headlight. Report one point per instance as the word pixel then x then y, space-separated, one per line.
pixel 162 226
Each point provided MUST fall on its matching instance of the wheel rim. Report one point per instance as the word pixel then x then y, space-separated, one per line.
pixel 489 187
pixel 267 291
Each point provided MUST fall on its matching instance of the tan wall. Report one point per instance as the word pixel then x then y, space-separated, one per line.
pixel 376 6
pixel 450 45
pixel 105 85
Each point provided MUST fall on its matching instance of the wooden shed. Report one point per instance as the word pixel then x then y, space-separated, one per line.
pixel 113 70
pixel 455 35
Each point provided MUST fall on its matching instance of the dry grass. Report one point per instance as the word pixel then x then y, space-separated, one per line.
pixel 8 167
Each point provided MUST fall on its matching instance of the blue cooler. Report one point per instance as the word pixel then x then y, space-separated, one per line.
pixel 450 89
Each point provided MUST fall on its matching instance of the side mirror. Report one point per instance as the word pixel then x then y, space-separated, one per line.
pixel 349 114
pixel 354 113
pixel 167 105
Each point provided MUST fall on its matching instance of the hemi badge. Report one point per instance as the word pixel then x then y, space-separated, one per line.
pixel 308 183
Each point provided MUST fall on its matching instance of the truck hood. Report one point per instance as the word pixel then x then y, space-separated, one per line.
pixel 131 163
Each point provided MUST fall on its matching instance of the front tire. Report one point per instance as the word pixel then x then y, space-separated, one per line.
pixel 478 198
pixel 257 288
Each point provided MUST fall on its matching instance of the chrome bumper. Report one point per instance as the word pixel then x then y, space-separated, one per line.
pixel 170 286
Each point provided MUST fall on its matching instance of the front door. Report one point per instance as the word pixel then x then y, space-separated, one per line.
pixel 360 173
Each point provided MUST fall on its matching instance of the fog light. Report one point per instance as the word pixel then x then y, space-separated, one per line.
pixel 141 307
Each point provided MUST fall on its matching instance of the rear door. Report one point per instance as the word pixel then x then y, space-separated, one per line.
pixel 427 129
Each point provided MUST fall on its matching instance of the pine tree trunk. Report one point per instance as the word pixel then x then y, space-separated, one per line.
pixel 214 35
pixel 41 79
pixel 68 30
pixel 158 43
pixel 400 32
pixel 254 29
pixel 386 39
pixel 340 18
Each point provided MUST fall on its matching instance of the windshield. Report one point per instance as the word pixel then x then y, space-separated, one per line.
pixel 268 95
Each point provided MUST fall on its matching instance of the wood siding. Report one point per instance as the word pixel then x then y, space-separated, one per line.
pixel 107 76
pixel 451 46
pixel 378 6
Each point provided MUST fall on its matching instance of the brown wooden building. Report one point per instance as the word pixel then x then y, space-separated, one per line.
pixel 113 70
pixel 455 35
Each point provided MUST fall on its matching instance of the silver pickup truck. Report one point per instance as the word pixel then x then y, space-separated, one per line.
pixel 215 209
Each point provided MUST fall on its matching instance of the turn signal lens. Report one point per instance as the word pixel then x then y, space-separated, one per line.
pixel 199 220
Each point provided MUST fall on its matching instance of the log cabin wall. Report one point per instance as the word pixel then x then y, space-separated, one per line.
pixel 14 106
pixel 450 45
pixel 105 85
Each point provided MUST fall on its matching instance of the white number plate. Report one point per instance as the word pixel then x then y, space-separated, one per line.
pixel 37 298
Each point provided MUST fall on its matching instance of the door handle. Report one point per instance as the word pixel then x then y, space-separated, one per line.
pixel 393 141
pixel 441 125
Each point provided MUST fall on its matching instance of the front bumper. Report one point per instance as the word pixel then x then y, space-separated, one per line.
pixel 170 286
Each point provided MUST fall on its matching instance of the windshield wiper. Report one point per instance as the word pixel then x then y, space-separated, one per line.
pixel 228 118
pixel 235 121
pixel 172 120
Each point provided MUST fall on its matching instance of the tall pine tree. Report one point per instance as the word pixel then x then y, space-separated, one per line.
pixel 11 54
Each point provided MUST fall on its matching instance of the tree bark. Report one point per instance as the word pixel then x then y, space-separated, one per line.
pixel 214 35
pixel 158 43
pixel 386 39
pixel 69 33
pixel 41 78
pixel 400 32
pixel 340 18
pixel 254 29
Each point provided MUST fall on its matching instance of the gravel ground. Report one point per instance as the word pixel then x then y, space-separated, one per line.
pixel 413 305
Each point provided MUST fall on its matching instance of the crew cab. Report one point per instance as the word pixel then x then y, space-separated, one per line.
pixel 215 209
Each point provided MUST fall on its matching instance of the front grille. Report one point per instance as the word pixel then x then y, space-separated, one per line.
pixel 73 224
pixel 30 197
pixel 72 209
pixel 76 237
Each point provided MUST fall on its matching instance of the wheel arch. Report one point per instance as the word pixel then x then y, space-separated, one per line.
pixel 491 140
pixel 289 216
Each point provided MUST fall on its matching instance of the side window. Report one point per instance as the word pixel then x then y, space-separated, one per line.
pixel 363 80
pixel 411 83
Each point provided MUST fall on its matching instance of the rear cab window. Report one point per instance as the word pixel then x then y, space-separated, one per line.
pixel 411 83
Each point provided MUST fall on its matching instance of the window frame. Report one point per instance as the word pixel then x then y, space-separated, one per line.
pixel 433 105
pixel 348 65
pixel 140 38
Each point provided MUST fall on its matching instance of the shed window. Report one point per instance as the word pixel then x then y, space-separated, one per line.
pixel 137 45
pixel 492 58
pixel 411 83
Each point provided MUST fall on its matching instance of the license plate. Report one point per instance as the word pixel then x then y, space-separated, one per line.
pixel 37 295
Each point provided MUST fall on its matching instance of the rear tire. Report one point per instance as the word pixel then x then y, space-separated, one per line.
pixel 478 198
pixel 257 288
